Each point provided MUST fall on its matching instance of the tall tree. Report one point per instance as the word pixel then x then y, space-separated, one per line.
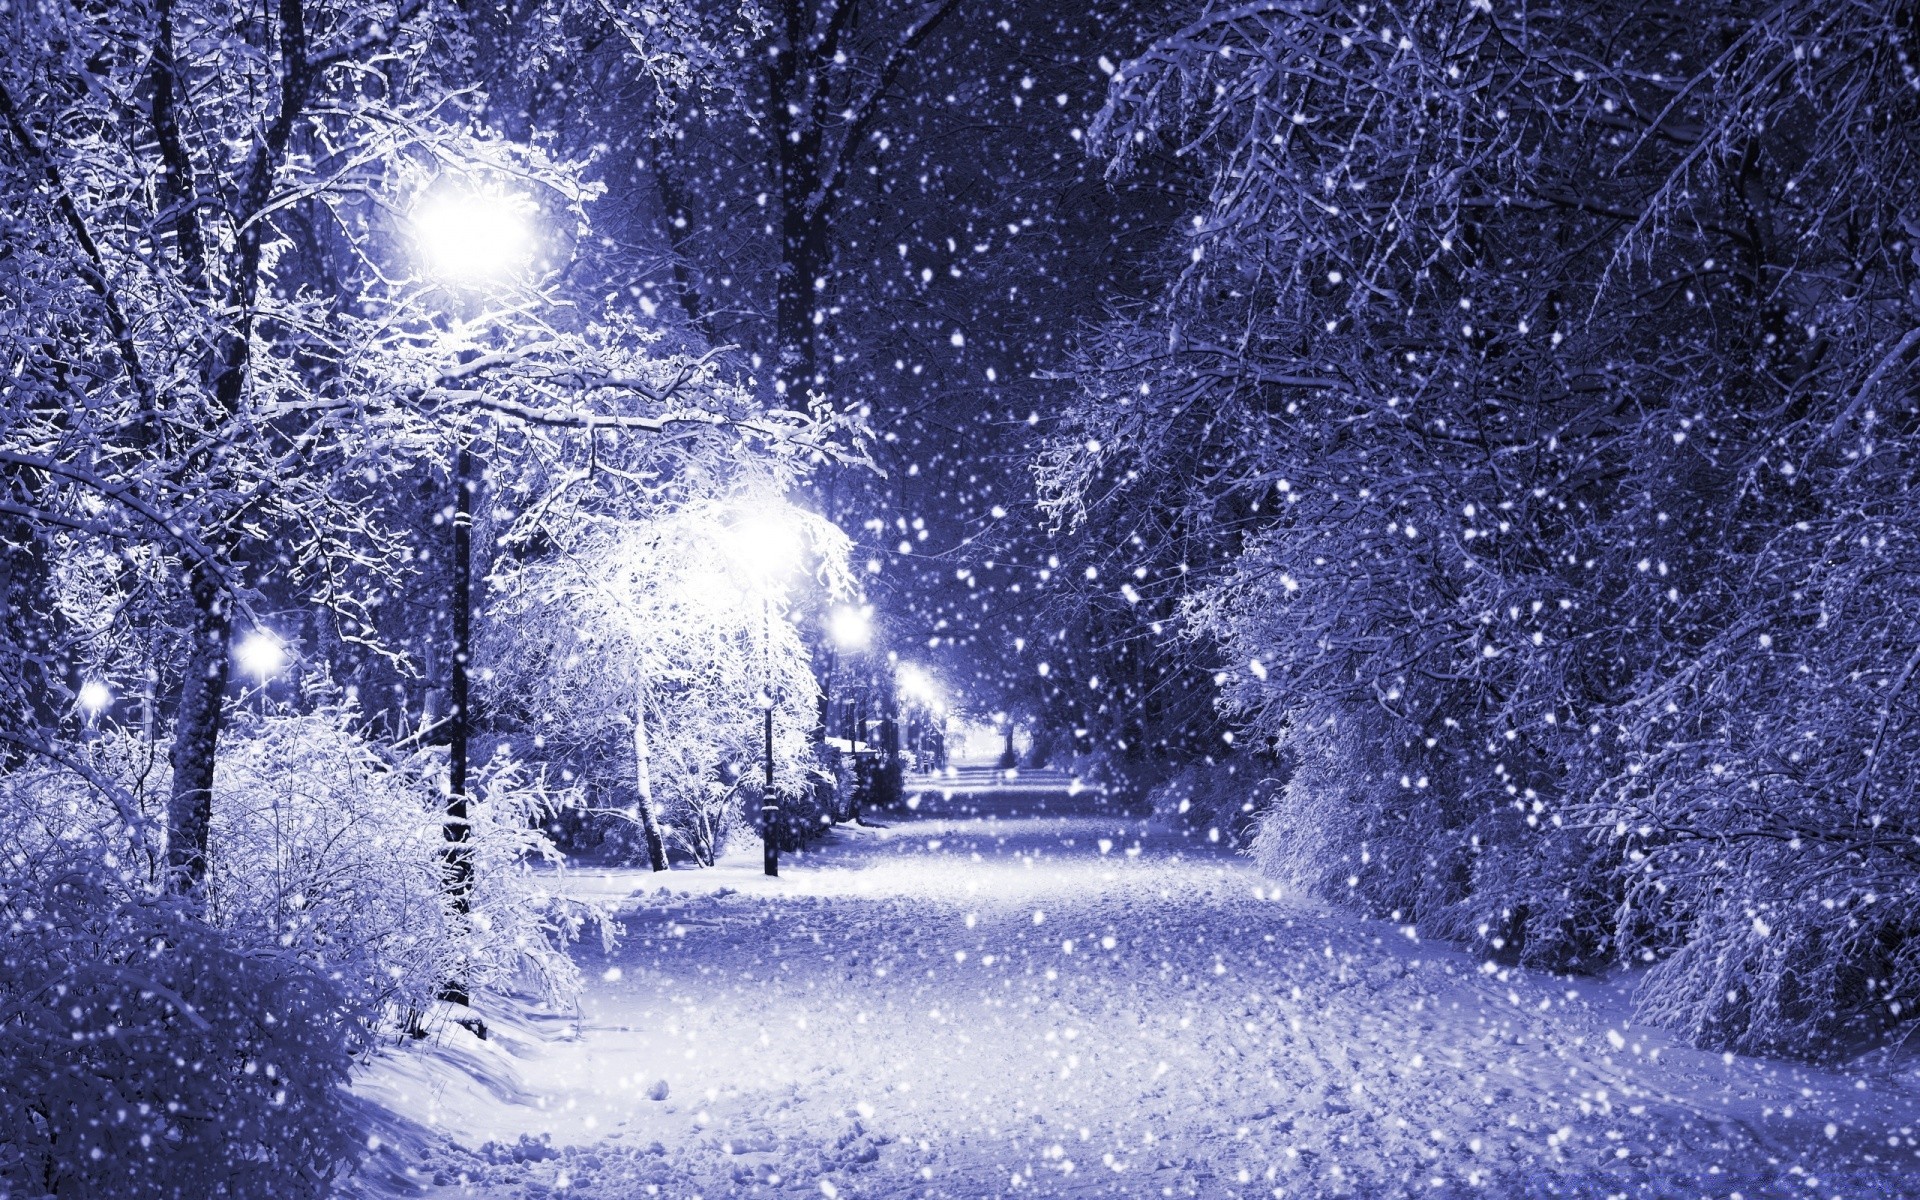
pixel 220 326
pixel 1528 358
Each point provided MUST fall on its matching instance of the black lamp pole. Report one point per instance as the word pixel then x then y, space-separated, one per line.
pixel 769 800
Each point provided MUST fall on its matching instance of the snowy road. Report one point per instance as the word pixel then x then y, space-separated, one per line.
pixel 1018 993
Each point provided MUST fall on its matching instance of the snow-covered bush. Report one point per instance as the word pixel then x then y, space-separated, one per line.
pixel 144 1053
pixel 1128 781
pixel 1770 865
pixel 1789 974
pixel 702 808
pixel 1343 825
pixel 325 847
pixel 52 814
pixel 322 844
pixel 517 928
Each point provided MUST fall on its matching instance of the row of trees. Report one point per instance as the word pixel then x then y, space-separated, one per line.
pixel 309 340
pixel 1525 434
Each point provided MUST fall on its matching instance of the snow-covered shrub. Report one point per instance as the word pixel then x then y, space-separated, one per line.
pixel 322 845
pixel 1789 974
pixel 703 812
pixel 708 753
pixel 1540 894
pixel 517 928
pixel 1356 822
pixel 51 815
pixel 1773 870
pixel 144 1053
pixel 1128 781
pixel 1343 826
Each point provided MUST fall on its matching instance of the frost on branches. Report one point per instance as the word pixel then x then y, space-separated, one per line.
pixel 1544 380
pixel 646 640
pixel 275 286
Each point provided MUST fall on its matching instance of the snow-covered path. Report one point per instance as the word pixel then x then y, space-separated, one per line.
pixel 1017 992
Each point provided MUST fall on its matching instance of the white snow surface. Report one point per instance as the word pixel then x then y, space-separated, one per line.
pixel 1016 991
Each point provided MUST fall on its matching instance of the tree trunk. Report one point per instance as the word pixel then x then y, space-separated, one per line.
pixel 794 126
pixel 643 787
pixel 196 735
pixel 455 825
pixel 459 853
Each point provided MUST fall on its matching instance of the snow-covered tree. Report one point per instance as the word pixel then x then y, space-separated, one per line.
pixel 659 629
pixel 248 272
pixel 1544 375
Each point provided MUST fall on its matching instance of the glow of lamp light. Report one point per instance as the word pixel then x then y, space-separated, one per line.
pixel 94 698
pixel 850 628
pixel 919 686
pixel 469 237
pixel 764 544
pixel 261 656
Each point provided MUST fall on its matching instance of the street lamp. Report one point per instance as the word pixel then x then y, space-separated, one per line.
pixel 261 655
pixel 94 698
pixel 469 236
pixel 466 236
pixel 765 546
pixel 850 628
pixel 921 689
pixel 919 686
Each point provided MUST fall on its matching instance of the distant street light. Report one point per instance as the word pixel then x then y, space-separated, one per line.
pixel 467 236
pixel 921 689
pixel 850 628
pixel 261 655
pixel 95 697
pixel 919 686
pixel 766 546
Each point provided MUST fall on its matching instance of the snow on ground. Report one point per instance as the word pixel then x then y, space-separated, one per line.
pixel 1012 991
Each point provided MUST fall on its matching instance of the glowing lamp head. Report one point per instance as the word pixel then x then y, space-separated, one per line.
pixel 94 698
pixel 850 628
pixel 261 655
pixel 919 687
pixel 472 237
pixel 765 545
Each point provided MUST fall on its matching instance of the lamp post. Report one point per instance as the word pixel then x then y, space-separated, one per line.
pixel 468 240
pixel 763 547
pixel 769 799
pixel 263 656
